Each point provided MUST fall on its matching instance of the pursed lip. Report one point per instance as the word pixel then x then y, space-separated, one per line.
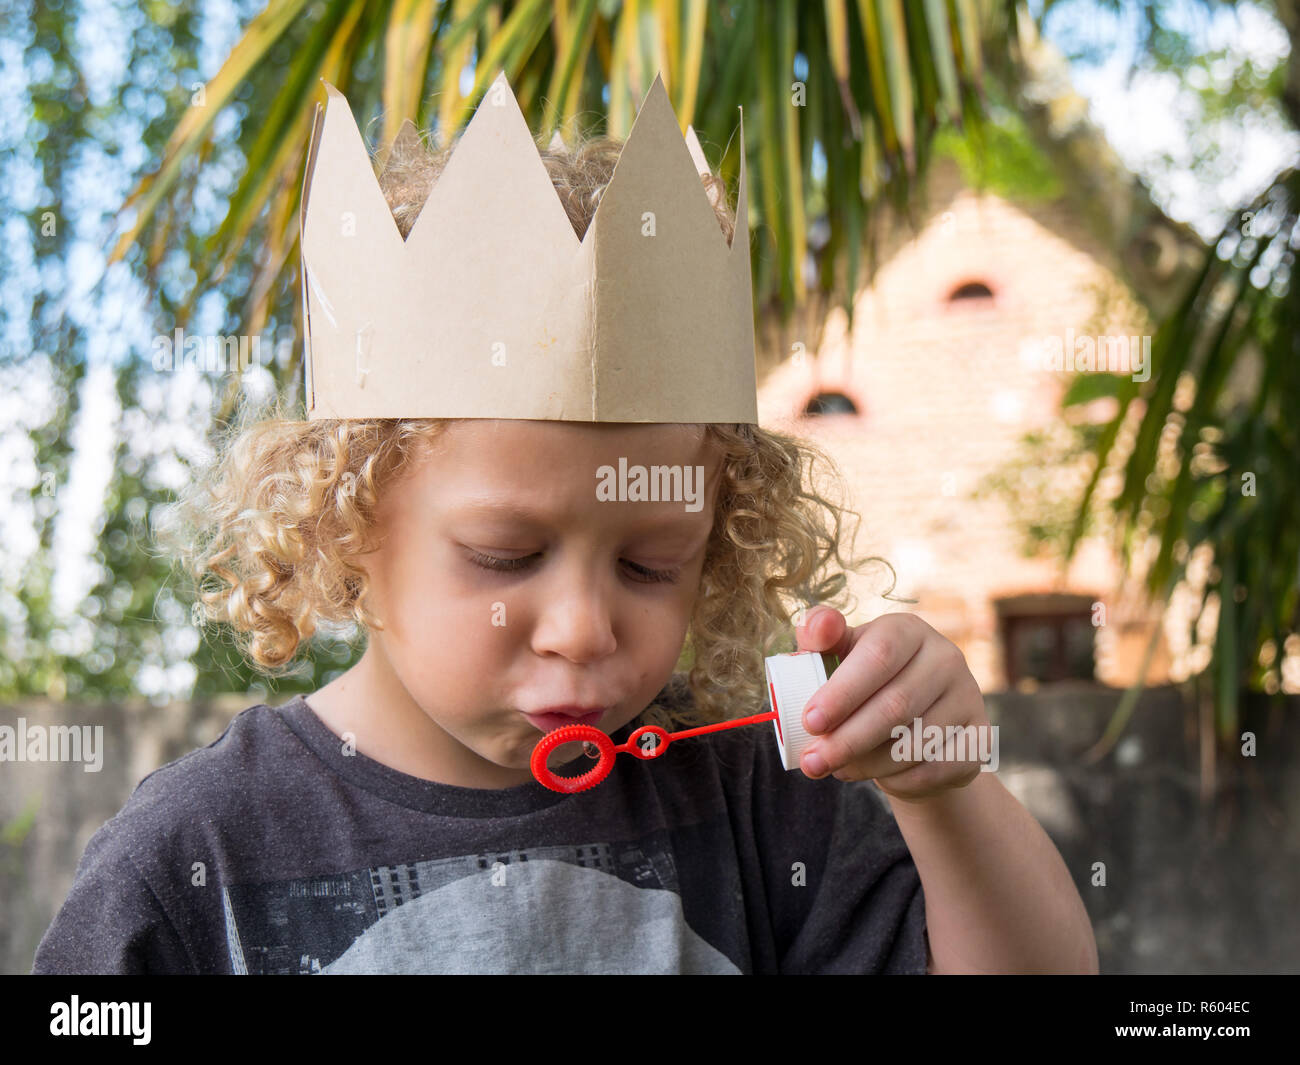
pixel 568 710
pixel 557 717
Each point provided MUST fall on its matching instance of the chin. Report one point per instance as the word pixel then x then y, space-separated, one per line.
pixel 517 755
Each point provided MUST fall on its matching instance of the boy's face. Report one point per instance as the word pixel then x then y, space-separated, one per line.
pixel 578 619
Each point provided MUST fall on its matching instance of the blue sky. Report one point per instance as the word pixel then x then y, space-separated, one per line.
pixel 1152 117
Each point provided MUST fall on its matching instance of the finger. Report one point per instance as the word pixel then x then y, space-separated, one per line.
pixel 880 650
pixel 875 763
pixel 964 748
pixel 824 629
pixel 867 740
pixel 917 782
pixel 927 779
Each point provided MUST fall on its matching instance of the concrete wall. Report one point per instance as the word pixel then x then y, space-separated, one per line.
pixel 1190 888
pixel 65 804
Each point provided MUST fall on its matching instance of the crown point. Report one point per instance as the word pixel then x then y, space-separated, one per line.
pixel 697 152
pixel 495 202
pixel 500 94
pixel 660 95
pixel 742 198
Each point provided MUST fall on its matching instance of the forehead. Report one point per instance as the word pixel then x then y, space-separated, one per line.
pixel 543 469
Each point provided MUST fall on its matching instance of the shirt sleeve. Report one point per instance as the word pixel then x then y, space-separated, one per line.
pixel 844 894
pixel 111 922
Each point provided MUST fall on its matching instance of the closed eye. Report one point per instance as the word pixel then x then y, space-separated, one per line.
pixel 644 575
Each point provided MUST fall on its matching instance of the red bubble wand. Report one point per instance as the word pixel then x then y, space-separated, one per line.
pixel 790 684
pixel 634 745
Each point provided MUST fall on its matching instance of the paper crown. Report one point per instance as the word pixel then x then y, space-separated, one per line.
pixel 493 308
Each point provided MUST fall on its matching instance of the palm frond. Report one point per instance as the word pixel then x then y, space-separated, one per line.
pixel 885 75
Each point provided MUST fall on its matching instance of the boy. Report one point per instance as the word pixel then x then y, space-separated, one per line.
pixel 389 821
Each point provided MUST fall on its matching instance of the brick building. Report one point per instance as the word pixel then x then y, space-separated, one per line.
pixel 942 374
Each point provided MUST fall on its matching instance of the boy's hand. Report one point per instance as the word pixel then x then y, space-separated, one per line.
pixel 892 670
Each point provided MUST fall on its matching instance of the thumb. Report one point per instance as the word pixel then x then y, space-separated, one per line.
pixel 822 629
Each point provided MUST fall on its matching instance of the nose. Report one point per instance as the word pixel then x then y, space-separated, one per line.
pixel 576 619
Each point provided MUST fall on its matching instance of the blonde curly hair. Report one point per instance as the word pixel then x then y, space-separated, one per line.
pixel 273 528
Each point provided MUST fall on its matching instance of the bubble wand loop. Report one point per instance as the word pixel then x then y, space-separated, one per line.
pixel 790 684
pixel 632 746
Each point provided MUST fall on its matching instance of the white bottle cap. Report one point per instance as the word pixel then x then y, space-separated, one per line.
pixel 791 681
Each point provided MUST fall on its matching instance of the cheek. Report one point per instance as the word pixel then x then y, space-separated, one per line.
pixel 438 628
pixel 446 651
pixel 659 627
pixel 414 597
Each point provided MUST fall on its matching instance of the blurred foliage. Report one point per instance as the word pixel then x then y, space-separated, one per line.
pixel 842 101
pixel 1042 484
pixel 15 832
pixel 1001 157
pixel 214 219
pixel 868 82
pixel 1216 460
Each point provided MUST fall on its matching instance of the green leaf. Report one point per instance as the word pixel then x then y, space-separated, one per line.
pixel 1087 387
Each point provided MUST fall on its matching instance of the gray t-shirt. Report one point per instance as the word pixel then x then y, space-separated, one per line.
pixel 272 851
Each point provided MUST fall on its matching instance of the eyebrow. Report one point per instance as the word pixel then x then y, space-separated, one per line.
pixel 683 521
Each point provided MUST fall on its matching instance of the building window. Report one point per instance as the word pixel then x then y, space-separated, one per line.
pixel 830 403
pixel 974 291
pixel 1046 638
